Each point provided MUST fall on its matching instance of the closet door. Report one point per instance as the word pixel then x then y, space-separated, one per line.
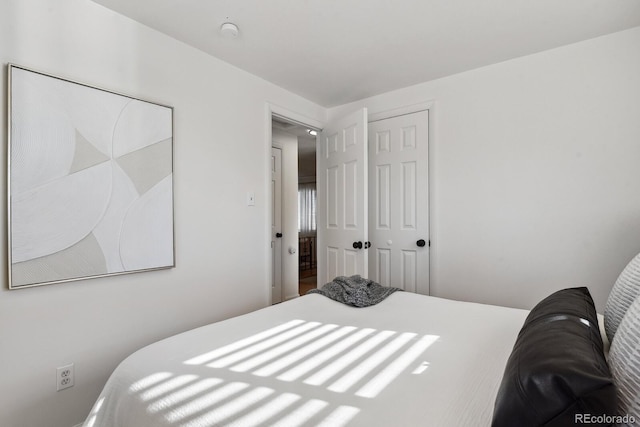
pixel 341 162
pixel 399 202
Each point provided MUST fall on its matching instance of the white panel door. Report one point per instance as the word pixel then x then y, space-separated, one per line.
pixel 276 225
pixel 341 162
pixel 399 202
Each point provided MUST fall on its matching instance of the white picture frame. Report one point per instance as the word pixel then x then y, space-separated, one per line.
pixel 90 181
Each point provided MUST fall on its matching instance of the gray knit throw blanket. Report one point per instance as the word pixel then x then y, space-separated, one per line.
pixel 354 291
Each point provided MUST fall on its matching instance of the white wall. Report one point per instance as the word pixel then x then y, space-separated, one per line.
pixel 534 174
pixel 289 145
pixel 222 246
pixel 535 178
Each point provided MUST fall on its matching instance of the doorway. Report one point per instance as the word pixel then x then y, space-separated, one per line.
pixel 289 131
pixel 305 210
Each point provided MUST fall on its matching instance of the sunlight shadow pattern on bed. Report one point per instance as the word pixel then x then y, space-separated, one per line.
pixel 337 359
pixel 408 361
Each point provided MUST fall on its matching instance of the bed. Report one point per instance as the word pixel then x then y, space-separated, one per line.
pixel 411 360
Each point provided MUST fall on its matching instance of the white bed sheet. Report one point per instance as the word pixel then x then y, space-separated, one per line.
pixel 411 360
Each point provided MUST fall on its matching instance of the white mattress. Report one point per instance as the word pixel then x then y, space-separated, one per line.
pixel 411 360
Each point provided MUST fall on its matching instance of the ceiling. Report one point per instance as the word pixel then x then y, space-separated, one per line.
pixel 337 51
pixel 306 142
pixel 306 145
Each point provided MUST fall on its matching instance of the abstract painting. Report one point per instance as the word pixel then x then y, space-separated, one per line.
pixel 90 189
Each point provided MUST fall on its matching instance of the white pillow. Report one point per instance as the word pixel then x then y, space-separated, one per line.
pixel 624 361
pixel 622 295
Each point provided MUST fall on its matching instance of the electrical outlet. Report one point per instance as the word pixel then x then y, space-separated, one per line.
pixel 64 377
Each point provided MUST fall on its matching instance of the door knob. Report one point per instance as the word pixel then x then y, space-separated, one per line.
pixel 421 243
pixel 367 245
pixel 357 245
pixel 278 235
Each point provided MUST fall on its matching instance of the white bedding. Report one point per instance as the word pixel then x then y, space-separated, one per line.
pixel 411 360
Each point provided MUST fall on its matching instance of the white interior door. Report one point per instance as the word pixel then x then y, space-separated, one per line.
pixel 341 162
pixel 399 202
pixel 276 225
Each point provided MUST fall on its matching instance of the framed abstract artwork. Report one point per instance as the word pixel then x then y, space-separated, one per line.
pixel 90 181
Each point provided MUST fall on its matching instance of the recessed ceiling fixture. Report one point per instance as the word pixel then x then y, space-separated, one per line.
pixel 312 132
pixel 229 30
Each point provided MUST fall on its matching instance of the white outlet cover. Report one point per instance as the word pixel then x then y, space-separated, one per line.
pixel 65 377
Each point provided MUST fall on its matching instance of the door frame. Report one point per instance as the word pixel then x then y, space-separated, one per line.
pixel 273 110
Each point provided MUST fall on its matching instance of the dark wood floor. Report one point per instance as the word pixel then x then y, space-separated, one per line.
pixel 308 280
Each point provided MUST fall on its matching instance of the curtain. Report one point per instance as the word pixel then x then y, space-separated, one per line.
pixel 307 208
